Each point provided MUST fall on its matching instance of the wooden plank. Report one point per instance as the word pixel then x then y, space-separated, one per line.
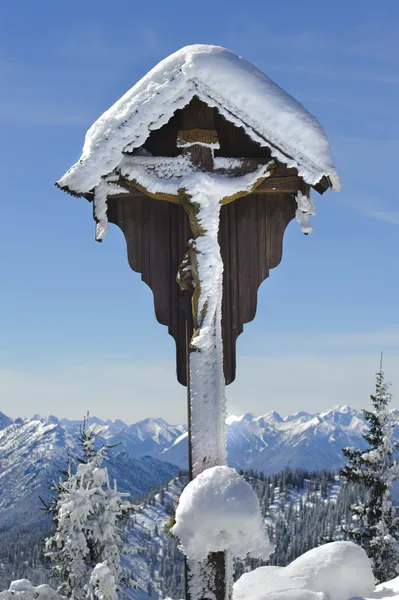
pixel 280 185
pixel 198 116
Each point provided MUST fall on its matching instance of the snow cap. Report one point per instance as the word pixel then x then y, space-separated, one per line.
pixel 222 79
pixel 218 510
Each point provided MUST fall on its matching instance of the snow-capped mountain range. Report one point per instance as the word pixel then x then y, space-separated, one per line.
pixel 33 450
pixel 268 443
pixel 271 443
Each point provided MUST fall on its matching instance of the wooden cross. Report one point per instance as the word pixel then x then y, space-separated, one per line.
pixel 157 227
pixel 251 227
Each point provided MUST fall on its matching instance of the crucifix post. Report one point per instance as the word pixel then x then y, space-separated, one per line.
pixel 198 139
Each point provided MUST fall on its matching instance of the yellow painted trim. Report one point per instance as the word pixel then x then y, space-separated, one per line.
pixel 228 199
pixel 175 199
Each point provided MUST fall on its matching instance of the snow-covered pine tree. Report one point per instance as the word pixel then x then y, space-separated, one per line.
pixel 375 524
pixel 102 584
pixel 86 514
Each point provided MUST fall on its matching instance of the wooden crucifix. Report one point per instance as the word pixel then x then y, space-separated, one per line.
pixel 158 227
pixel 202 165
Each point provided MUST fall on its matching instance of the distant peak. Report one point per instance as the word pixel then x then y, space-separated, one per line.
pixel 5 421
pixel 272 415
pixel 344 408
pixel 298 415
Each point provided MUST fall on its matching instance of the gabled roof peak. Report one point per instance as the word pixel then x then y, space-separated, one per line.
pixel 241 93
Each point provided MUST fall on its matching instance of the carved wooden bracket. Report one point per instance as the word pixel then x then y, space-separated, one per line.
pixel 250 236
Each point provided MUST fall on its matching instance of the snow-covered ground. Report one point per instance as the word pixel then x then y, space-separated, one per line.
pixel 335 571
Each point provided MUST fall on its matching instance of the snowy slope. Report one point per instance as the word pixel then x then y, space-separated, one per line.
pixel 4 421
pixel 150 436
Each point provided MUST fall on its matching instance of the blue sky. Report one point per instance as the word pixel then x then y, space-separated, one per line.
pixel 77 325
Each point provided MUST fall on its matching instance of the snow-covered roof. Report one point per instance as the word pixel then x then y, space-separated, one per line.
pixel 240 92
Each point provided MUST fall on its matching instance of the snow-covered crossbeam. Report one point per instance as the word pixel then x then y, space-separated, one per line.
pixel 239 91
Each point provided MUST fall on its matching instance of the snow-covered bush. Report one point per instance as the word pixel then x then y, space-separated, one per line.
pixel 218 510
pixel 86 513
pixel 340 570
pixel 102 585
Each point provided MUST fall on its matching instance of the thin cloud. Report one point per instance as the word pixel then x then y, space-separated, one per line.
pixel 310 377
pixel 386 216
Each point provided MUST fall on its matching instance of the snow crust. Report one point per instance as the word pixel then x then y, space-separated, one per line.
pixel 242 94
pixel 219 510
pixel 340 570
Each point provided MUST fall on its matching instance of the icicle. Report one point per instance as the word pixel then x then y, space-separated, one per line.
pixel 104 188
pixel 305 210
pixel 100 210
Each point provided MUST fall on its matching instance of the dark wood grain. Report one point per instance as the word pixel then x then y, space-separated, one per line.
pixel 251 238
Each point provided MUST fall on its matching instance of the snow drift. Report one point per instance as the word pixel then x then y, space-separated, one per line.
pixel 340 570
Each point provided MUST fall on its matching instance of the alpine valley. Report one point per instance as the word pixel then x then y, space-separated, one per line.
pixel 148 460
pixel 34 449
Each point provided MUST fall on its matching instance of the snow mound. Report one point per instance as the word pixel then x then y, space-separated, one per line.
pixel 217 511
pixel 21 585
pixel 23 589
pixel 293 595
pixel 340 570
pixel 220 78
pixel 385 591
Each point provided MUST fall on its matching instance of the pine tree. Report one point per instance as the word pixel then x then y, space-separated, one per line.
pixel 375 524
pixel 102 584
pixel 86 513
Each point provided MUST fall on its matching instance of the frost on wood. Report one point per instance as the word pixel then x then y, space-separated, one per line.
pixel 305 210
pixel 240 92
pixel 103 189
pixel 218 511
pixel 340 570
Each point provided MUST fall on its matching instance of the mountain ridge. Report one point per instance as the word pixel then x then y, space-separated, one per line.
pixel 267 443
